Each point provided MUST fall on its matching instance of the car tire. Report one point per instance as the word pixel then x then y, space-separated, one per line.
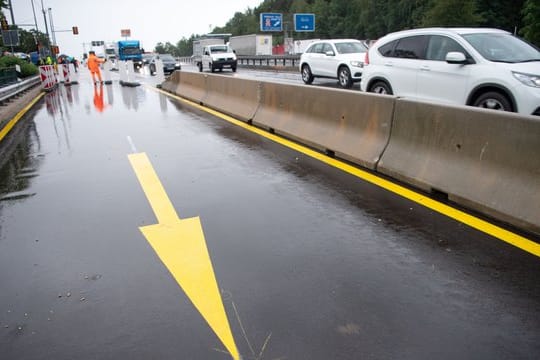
pixel 344 77
pixel 200 67
pixel 212 69
pixel 233 69
pixel 493 100
pixel 152 71
pixel 307 76
pixel 380 87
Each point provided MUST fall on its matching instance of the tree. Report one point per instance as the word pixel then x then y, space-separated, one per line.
pixel 501 14
pixel 531 14
pixel 452 13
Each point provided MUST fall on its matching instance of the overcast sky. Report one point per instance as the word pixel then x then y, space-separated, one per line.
pixel 150 21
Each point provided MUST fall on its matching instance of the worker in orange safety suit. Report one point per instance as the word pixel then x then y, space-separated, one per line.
pixel 93 65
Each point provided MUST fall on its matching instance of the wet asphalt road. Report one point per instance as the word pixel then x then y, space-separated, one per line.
pixel 312 263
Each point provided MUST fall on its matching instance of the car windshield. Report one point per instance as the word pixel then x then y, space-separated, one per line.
pixel 350 47
pixel 220 49
pixel 502 47
pixel 166 57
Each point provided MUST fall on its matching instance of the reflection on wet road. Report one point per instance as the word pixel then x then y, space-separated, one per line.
pixel 310 262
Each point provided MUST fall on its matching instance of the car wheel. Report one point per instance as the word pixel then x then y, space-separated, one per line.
pixel 307 76
pixel 200 67
pixel 234 68
pixel 380 87
pixel 152 71
pixel 493 100
pixel 212 69
pixel 344 77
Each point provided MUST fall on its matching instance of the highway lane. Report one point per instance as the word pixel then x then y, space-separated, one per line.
pixel 310 262
pixel 287 77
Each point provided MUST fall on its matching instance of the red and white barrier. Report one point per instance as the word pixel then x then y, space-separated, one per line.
pixel 48 77
pixel 64 68
pixel 73 74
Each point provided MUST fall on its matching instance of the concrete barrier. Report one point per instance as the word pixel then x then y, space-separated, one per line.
pixel 485 160
pixel 233 96
pixel 172 82
pixel 192 86
pixel 354 126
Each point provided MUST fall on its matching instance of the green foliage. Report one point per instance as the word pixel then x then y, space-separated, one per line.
pixel 27 41
pixel 531 14
pixel 27 69
pixel 371 19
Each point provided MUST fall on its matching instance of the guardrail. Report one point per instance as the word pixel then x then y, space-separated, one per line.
pixel 269 60
pixel 10 91
pixel 480 159
pixel 259 60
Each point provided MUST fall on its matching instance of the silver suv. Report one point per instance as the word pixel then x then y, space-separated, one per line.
pixel 482 67
pixel 341 59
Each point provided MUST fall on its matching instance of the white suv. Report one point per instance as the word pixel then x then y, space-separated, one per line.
pixel 488 68
pixel 341 59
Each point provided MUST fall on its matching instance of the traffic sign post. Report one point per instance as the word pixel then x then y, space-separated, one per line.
pixel 304 22
pixel 271 22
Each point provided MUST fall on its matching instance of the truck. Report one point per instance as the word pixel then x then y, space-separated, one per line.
pixel 99 49
pixel 218 57
pixel 301 45
pixel 110 52
pixel 129 50
pixel 199 45
pixel 251 45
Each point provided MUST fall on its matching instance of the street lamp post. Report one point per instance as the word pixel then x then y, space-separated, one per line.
pixel 46 28
pixel 52 27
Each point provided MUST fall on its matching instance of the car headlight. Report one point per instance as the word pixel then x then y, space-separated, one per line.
pixel 357 63
pixel 527 79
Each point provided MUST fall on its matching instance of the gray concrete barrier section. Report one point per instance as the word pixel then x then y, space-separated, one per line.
pixel 485 160
pixel 233 96
pixel 191 86
pixel 171 83
pixel 355 126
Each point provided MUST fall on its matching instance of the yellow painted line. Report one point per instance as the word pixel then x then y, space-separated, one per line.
pixel 453 213
pixel 181 246
pixel 19 115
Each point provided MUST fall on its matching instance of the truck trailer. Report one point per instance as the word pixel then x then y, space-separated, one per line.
pixel 251 45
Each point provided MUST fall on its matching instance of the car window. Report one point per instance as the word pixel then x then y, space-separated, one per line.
pixel 317 48
pixel 220 49
pixel 350 47
pixel 167 57
pixel 327 47
pixel 413 47
pixel 438 46
pixel 503 47
pixel 387 50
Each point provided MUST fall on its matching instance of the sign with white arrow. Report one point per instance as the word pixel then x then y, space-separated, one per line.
pixel 304 22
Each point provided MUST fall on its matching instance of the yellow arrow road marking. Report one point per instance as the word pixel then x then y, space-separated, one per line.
pixel 181 246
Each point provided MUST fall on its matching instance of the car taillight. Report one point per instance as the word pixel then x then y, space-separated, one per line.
pixel 366 59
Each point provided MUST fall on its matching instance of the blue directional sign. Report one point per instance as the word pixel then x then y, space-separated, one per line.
pixel 304 22
pixel 271 22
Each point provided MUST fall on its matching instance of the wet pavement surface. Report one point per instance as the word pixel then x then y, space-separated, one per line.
pixel 312 263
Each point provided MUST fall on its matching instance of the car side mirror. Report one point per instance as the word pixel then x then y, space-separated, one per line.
pixel 456 57
pixel 206 53
pixel 234 51
pixel 330 53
